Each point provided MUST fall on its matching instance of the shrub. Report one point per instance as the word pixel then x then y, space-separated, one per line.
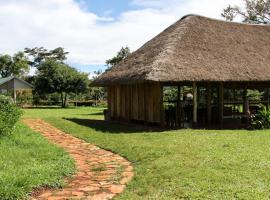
pixel 9 115
pixel 262 119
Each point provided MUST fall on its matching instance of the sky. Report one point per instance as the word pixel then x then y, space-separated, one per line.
pixel 93 30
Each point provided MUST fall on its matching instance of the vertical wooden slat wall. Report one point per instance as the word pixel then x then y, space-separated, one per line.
pixel 139 102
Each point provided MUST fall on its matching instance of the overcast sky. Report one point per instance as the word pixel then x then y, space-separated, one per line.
pixel 93 30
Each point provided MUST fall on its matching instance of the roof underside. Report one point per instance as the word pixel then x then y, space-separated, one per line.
pixel 197 48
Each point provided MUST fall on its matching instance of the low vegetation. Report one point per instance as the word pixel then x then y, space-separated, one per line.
pixel 29 161
pixel 9 115
pixel 180 164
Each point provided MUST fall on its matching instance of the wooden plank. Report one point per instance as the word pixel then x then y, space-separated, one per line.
pixel 150 102
pixel 221 102
pixel 112 99
pixel 195 103
pixel 162 114
pixel 118 100
pixel 135 102
pixel 109 100
pixel 141 102
pixel 123 102
pixel 156 103
pixel 146 100
pixel 128 101
pixel 208 104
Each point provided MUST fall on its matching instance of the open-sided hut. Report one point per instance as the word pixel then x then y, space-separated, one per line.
pixel 217 62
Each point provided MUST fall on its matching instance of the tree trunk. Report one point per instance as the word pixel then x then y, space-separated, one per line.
pixel 62 100
pixel 65 100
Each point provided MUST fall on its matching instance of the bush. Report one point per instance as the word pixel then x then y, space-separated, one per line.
pixel 9 115
pixel 262 119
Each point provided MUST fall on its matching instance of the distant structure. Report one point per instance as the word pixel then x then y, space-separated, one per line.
pixel 216 61
pixel 13 85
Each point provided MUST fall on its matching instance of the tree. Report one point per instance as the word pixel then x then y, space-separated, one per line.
pixel 121 55
pixel 53 76
pixel 40 54
pixel 255 12
pixel 13 66
pixel 96 93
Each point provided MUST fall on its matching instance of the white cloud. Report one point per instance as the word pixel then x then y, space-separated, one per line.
pixel 91 39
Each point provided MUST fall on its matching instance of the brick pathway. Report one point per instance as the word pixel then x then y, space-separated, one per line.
pixel 100 174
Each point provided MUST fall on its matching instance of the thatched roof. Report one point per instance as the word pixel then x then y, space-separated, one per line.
pixel 197 48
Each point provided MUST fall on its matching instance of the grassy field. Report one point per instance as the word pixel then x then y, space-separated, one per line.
pixel 27 161
pixel 183 164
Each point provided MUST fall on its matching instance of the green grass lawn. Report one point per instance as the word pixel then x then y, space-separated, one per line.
pixel 183 164
pixel 27 161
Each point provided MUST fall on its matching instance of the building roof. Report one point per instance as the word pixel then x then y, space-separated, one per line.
pixel 7 79
pixel 197 48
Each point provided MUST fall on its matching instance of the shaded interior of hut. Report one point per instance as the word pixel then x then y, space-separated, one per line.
pixel 238 104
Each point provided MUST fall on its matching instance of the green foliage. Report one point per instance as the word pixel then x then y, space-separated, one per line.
pixel 254 95
pixel 16 65
pixel 58 77
pixel 262 119
pixel 9 115
pixel 29 161
pixel 180 164
pixel 256 12
pixel 40 54
pixel 121 55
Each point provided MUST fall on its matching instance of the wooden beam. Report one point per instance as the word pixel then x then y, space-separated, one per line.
pixel 221 102
pixel 209 110
pixel 195 103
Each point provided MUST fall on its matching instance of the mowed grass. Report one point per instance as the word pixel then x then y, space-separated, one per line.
pixel 182 164
pixel 29 161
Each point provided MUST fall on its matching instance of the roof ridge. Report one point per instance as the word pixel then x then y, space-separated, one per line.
pixel 224 21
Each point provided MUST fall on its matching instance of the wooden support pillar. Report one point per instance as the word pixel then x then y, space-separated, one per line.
pixel 195 103
pixel 209 110
pixel 267 93
pixel 178 111
pixel 245 103
pixel 162 112
pixel 221 103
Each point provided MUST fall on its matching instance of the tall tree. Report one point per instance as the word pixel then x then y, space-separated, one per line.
pixel 58 77
pixel 121 55
pixel 255 12
pixel 14 66
pixel 40 54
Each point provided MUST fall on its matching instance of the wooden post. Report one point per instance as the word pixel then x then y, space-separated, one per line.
pixel 109 102
pixel 267 93
pixel 209 111
pixel 178 111
pixel 221 103
pixel 162 113
pixel 245 103
pixel 195 103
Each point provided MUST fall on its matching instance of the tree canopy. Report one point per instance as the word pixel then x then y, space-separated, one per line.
pixel 16 65
pixel 40 54
pixel 54 76
pixel 255 12
pixel 121 55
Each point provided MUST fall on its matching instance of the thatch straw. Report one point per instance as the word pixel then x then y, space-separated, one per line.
pixel 197 48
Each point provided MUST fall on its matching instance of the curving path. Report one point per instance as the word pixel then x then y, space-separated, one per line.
pixel 100 174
